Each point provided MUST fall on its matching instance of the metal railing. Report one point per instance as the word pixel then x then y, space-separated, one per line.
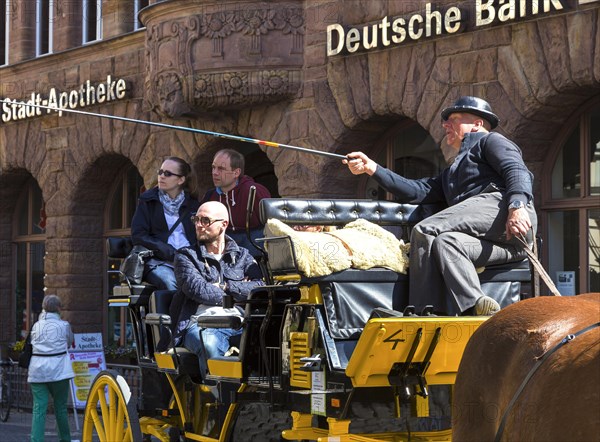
pixel 21 393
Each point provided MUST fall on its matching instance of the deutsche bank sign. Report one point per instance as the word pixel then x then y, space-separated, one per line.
pixel 433 22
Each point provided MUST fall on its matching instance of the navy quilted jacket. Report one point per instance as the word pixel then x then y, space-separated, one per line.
pixel 196 272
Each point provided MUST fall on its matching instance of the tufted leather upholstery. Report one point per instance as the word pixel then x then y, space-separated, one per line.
pixel 336 212
pixel 118 247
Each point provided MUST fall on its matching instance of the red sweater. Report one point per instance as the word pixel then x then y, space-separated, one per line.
pixel 236 201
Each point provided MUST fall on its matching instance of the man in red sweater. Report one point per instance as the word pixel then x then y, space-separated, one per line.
pixel 232 188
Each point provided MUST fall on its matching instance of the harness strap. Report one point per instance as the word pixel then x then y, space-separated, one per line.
pixel 47 355
pixel 537 365
pixel 539 267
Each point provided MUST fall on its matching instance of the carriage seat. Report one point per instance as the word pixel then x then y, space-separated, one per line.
pixel 158 320
pixel 502 282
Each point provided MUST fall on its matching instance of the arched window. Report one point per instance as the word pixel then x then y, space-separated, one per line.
pixel 29 237
pixel 409 151
pixel 571 204
pixel 121 206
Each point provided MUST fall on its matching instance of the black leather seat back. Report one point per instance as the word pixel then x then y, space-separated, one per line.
pixel 118 247
pixel 334 212
pixel 160 300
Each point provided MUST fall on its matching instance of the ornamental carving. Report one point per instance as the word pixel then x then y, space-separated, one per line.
pixel 233 90
pixel 223 59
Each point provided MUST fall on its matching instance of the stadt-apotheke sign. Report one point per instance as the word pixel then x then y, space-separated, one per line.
pixel 87 94
pixel 434 21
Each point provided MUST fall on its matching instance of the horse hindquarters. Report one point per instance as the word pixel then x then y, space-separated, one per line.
pixel 560 401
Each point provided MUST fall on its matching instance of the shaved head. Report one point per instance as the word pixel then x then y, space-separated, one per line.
pixel 214 210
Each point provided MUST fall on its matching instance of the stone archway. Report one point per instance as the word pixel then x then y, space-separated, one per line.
pixel 77 245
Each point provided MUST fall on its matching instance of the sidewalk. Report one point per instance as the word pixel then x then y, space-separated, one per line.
pixel 18 426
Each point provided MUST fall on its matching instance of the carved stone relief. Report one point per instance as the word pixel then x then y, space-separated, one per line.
pixel 223 60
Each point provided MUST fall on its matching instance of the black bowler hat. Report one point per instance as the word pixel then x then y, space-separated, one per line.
pixel 472 105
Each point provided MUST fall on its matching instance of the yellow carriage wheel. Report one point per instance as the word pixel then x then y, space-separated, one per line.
pixel 111 411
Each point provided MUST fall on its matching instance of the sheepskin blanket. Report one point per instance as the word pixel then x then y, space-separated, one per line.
pixel 360 244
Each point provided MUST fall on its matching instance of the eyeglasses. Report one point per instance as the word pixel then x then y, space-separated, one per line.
pixel 167 173
pixel 204 220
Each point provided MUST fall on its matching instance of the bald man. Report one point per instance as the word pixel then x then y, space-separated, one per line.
pixel 205 272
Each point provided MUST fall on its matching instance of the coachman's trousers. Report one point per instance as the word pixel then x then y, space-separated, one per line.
pixel 446 248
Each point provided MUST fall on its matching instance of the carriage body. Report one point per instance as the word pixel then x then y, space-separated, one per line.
pixel 336 357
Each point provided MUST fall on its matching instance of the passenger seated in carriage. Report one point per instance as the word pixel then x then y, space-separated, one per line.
pixel 213 267
pixel 162 223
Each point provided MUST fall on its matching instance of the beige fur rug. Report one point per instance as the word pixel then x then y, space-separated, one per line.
pixel 360 244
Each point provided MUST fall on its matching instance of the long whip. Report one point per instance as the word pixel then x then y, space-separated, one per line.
pixel 185 129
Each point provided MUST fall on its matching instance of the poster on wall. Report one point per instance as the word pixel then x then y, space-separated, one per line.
pixel 87 360
pixel 565 283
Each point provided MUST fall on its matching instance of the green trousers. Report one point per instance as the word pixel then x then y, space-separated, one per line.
pixel 60 394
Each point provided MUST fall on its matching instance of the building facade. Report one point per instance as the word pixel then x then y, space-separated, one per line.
pixel 331 75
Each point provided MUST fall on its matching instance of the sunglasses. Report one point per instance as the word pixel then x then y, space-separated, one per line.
pixel 167 173
pixel 204 220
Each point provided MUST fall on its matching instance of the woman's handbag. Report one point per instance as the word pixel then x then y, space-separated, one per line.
pixel 132 267
pixel 25 356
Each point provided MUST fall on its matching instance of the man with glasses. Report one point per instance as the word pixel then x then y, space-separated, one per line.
pixel 206 271
pixel 232 188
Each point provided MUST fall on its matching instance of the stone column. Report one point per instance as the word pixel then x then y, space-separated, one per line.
pixel 22 21
pixel 67 25
pixel 117 18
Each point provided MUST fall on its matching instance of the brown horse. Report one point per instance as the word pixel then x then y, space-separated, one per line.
pixel 561 399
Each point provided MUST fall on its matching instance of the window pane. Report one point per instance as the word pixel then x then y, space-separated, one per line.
pixel 37 252
pixel 21 290
pixel 595 152
pixel 23 215
pixel 139 5
pixel 115 214
pixel 594 249
pixel 563 242
pixel 44 26
pixel 135 183
pixel 416 155
pixel 92 19
pixel 566 177
pixel 38 211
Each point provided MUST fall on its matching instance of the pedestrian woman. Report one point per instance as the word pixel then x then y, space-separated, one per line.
pixel 50 369
pixel 162 220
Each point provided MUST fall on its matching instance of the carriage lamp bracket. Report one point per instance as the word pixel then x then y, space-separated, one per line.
pixel 312 363
pixel 409 376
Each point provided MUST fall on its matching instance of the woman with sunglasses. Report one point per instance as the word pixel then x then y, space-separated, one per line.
pixel 162 220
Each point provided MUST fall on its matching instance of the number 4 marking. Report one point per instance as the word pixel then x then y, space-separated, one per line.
pixel 395 341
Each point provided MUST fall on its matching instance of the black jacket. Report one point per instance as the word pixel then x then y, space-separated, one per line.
pixel 149 226
pixel 196 272
pixel 484 160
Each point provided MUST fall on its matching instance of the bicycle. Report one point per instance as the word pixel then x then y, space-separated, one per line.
pixel 5 390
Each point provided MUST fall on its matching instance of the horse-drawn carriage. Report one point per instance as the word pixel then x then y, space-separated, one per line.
pixel 338 357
